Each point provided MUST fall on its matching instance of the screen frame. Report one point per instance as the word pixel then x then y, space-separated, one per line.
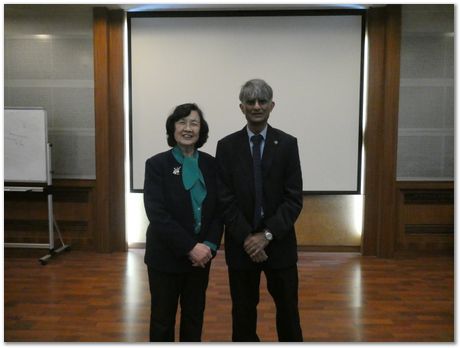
pixel 256 13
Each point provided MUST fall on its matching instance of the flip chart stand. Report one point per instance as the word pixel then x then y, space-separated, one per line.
pixel 52 224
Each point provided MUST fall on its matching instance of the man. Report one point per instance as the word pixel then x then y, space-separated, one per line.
pixel 260 187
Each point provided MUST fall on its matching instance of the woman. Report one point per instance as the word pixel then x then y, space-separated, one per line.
pixel 180 198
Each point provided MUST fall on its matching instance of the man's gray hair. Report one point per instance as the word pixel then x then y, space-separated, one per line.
pixel 256 89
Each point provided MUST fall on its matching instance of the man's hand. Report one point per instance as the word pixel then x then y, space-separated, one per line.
pixel 259 257
pixel 255 243
pixel 200 255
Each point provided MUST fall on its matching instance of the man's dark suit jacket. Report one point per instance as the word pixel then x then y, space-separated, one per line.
pixel 170 234
pixel 282 199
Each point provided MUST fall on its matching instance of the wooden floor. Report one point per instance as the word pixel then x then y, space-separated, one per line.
pixel 91 297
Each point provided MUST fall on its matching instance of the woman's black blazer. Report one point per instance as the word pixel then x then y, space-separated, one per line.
pixel 170 234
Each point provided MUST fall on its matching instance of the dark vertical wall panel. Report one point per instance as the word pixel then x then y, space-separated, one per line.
pixel 108 76
pixel 381 133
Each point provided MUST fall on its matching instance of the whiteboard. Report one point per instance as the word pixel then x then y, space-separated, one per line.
pixel 25 145
pixel 314 64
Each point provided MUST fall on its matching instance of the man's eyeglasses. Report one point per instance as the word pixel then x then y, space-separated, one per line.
pixel 252 102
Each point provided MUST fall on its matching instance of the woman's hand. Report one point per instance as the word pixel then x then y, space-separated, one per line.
pixel 200 255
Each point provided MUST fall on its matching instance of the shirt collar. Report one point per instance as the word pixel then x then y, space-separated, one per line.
pixel 263 132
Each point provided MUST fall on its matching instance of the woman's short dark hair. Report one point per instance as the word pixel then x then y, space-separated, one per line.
pixel 182 111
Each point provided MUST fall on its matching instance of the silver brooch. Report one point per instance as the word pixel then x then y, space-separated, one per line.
pixel 276 142
pixel 176 171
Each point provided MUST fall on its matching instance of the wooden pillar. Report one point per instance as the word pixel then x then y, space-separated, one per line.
pixel 381 134
pixel 108 87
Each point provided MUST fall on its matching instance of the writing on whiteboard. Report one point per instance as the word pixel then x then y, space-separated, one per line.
pixel 26 139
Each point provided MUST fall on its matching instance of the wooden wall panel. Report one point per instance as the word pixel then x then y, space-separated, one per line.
pixel 427 213
pixel 329 222
pixel 101 101
pixel 425 217
pixel 388 154
pixel 109 112
pixel 26 215
pixel 117 132
pixel 380 137
pixel 373 132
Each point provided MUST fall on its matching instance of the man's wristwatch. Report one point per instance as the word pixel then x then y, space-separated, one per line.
pixel 268 235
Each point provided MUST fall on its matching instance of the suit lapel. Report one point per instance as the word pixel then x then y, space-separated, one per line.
pixel 244 151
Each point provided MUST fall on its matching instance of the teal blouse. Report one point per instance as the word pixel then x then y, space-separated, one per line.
pixel 193 181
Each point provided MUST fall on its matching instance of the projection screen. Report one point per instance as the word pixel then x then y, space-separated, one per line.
pixel 312 59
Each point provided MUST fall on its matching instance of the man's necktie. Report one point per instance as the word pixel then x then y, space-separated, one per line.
pixel 256 160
